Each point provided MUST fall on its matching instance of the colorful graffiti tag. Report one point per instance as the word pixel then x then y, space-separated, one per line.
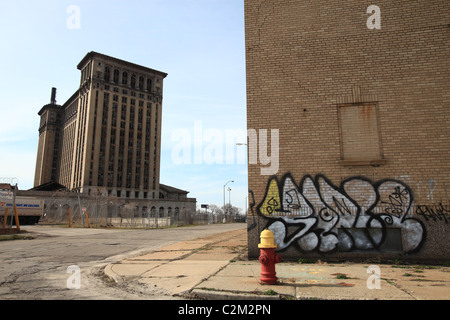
pixel 358 215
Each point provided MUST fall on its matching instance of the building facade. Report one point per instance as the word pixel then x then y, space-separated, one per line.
pixel 103 146
pixel 359 97
pixel 107 137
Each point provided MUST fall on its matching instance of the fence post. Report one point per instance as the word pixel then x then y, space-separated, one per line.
pixel 87 219
pixel 70 217
pixel 16 217
pixel 5 217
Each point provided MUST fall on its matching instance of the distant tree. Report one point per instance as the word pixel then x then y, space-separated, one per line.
pixel 232 210
pixel 215 209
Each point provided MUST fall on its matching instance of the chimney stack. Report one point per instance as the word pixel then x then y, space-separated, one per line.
pixel 53 98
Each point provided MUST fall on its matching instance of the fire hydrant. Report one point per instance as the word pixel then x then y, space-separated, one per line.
pixel 268 258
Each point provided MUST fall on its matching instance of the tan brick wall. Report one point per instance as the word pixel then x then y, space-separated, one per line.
pixel 303 56
pixel 305 59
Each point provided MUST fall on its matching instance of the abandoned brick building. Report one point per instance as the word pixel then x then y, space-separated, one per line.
pixel 359 96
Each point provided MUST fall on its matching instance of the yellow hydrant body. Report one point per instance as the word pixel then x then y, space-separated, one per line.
pixel 268 258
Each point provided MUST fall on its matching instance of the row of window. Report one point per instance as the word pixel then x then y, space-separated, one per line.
pixel 144 211
pixel 135 82
pixel 129 155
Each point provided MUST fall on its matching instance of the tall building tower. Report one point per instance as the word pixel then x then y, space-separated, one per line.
pixel 107 137
pixel 46 163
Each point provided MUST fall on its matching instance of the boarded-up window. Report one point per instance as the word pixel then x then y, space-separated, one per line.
pixel 359 133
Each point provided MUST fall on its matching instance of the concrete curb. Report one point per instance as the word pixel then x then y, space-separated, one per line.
pixel 108 272
pixel 224 295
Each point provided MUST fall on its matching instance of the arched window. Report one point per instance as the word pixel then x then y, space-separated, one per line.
pixel 133 81
pixel 54 210
pixel 125 77
pixel 107 74
pixel 65 210
pixel 116 76
pixel 141 83
pixel 161 212
pixel 149 84
pixel 144 211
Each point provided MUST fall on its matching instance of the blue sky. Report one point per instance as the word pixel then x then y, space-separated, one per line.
pixel 199 43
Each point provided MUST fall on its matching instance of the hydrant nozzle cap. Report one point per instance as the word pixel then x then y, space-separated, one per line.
pixel 267 240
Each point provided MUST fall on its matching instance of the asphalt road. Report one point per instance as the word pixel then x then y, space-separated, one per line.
pixel 66 263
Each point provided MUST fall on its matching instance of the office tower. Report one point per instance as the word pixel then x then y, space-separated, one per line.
pixel 106 138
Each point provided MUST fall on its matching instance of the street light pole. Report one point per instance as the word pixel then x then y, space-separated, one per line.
pixel 224 195
pixel 229 202
pixel 246 206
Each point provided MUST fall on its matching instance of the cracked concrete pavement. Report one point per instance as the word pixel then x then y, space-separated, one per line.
pixel 37 268
pixel 217 268
pixel 203 262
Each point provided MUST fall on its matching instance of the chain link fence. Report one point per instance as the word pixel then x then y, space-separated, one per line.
pixel 62 208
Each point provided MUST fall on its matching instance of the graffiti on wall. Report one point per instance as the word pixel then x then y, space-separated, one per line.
pixel 357 215
pixel 434 213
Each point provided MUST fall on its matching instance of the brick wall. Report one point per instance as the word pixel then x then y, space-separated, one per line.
pixel 352 101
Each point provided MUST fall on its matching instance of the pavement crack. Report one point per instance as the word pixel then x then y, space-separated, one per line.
pixel 395 285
